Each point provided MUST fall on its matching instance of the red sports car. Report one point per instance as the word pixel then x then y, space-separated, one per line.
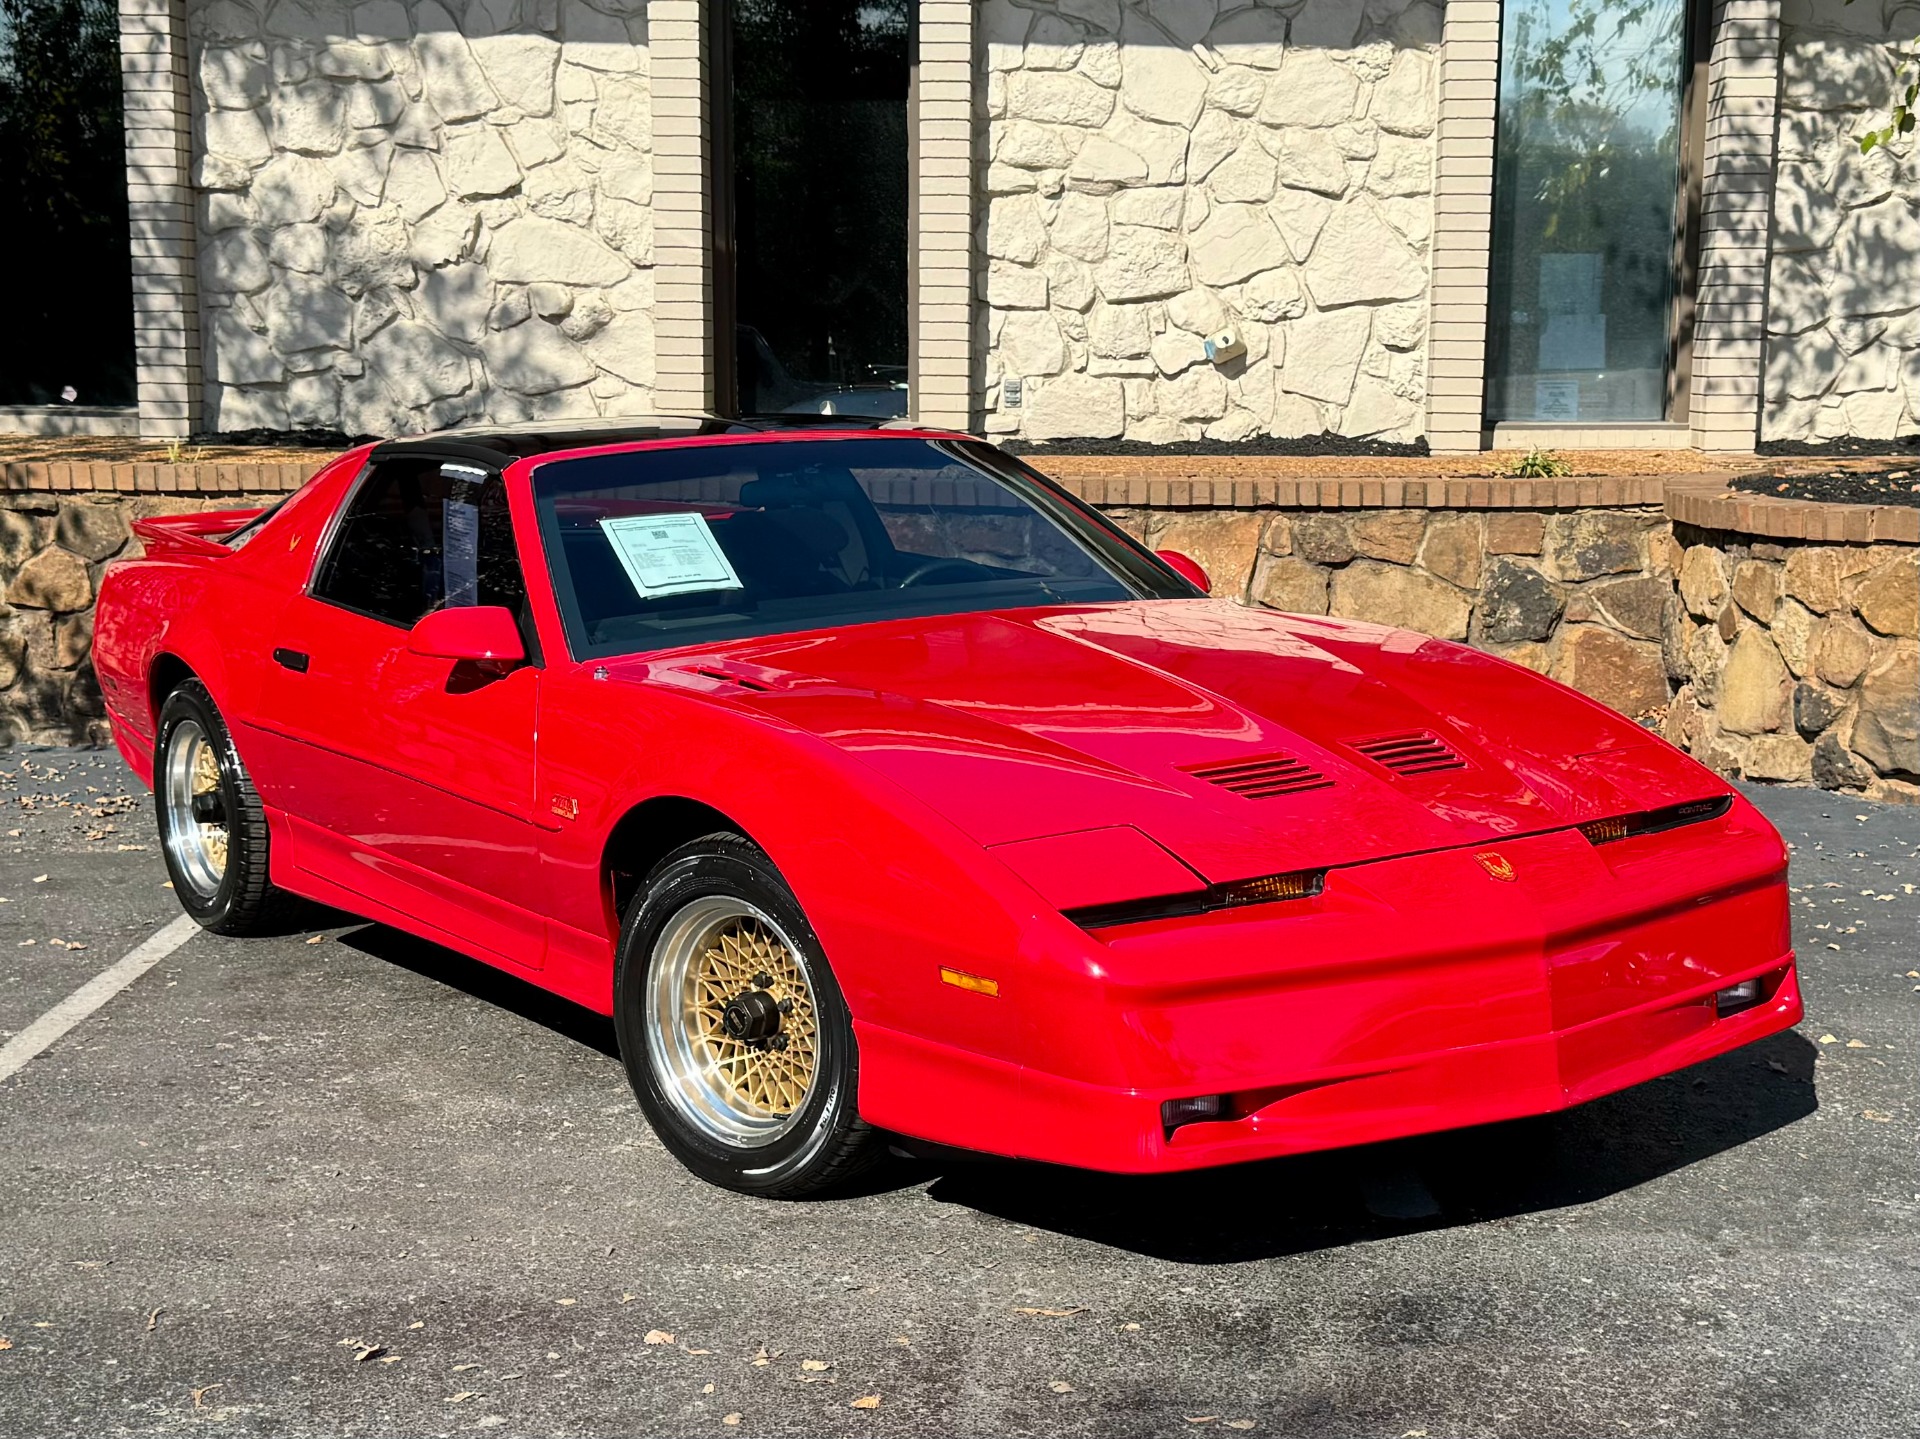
pixel 873 784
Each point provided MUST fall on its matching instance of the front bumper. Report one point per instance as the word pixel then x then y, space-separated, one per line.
pixel 1413 995
pixel 1028 1114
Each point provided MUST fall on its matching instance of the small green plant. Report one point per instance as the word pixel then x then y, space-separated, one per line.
pixel 179 452
pixel 1539 465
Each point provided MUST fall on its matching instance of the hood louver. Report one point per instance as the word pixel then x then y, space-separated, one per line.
pixel 1263 778
pixel 1415 752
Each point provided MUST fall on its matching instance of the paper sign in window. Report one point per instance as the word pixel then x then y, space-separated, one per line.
pixel 673 554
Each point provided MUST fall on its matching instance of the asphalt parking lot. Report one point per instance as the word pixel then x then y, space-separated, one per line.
pixel 342 1182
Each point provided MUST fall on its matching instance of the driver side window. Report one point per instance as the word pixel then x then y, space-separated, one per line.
pixel 422 535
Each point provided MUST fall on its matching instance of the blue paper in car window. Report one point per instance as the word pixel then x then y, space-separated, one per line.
pixel 460 552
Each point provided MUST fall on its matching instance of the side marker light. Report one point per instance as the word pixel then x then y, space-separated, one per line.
pixel 977 984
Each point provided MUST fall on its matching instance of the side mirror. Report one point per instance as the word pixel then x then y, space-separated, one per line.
pixel 483 634
pixel 1186 568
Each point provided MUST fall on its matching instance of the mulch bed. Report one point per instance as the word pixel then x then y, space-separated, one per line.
pixel 1882 483
pixel 1254 445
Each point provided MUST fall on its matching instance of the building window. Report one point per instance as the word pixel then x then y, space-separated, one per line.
pixel 63 170
pixel 1589 207
pixel 812 205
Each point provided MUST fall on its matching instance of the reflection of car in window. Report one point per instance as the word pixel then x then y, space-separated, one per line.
pixel 767 388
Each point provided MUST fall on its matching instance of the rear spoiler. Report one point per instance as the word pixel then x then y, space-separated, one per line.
pixel 199 533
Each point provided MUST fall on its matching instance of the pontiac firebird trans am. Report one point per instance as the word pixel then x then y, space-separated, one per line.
pixel 875 785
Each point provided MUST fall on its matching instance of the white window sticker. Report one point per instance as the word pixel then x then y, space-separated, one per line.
pixel 674 554
pixel 460 551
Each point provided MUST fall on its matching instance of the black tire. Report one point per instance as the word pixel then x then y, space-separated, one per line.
pixel 245 901
pixel 827 1143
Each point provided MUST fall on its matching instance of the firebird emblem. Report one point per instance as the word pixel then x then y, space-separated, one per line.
pixel 1496 864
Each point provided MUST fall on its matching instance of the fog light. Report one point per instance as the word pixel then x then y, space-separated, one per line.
pixel 1736 997
pixel 1176 1112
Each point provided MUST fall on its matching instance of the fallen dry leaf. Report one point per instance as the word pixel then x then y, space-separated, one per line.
pixel 729 1418
pixel 566 1301
pixel 709 1387
pixel 418 1324
pixel 368 1351
pixel 1053 1313
pixel 152 1319
pixel 815 1366
pixel 5 1343
pixel 657 1336
pixel 628 1298
pixel 39 879
pixel 1856 1044
pixel 200 1394
pixel 1828 1039
pixel 462 1397
pixel 1202 1418
pixel 866 1401
pixel 1060 1386
pixel 318 939
pixel 462 1368
pixel 1238 1424
pixel 389 1358
pixel 1878 1116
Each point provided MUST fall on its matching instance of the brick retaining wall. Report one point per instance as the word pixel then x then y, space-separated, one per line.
pixel 1774 639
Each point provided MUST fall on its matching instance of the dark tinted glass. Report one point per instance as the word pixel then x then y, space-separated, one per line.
pixel 63 170
pixel 420 535
pixel 653 548
pixel 819 201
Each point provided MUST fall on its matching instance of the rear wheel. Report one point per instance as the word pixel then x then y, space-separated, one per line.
pixel 734 1033
pixel 213 830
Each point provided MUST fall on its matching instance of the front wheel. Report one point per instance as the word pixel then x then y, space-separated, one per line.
pixel 734 1033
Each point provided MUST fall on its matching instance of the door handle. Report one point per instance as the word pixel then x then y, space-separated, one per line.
pixel 295 660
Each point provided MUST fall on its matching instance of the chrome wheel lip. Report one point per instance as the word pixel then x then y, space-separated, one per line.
pixel 687 1074
pixel 198 849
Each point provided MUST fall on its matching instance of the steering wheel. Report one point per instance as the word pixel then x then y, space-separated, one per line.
pixel 933 567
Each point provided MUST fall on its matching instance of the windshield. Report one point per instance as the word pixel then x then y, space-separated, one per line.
pixel 681 545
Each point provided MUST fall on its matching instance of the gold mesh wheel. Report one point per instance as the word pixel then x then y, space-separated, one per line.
pixel 196 811
pixel 732 1027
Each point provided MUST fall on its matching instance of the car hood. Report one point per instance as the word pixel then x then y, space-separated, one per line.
pixel 1365 741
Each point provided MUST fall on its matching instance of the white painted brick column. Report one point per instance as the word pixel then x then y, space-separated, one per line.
pixel 941 318
pixel 1743 75
pixel 677 39
pixel 160 212
pixel 1462 225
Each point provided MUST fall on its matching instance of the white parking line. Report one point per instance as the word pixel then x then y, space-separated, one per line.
pixel 49 1027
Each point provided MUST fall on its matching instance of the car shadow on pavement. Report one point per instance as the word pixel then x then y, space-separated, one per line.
pixel 1322 1201
pixel 485 983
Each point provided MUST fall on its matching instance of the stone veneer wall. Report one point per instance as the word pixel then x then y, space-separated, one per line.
pixel 415 213
pixel 52 553
pixel 1843 294
pixel 1769 660
pixel 1162 169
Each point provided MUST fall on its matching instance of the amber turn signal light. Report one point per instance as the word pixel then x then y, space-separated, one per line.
pixel 1606 831
pixel 975 983
pixel 1298 885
